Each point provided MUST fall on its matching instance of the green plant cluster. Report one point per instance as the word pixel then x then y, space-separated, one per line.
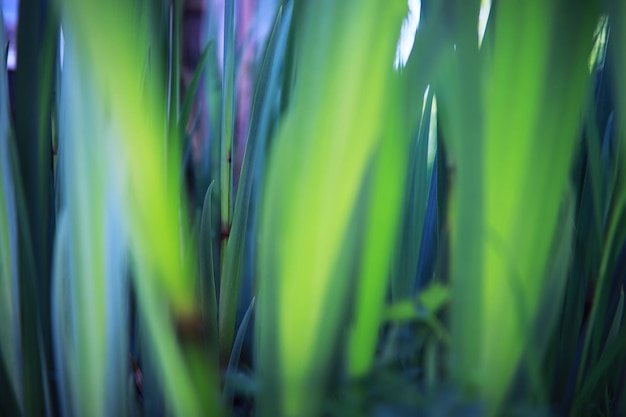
pixel 446 237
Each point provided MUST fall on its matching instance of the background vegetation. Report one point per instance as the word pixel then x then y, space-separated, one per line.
pixel 440 237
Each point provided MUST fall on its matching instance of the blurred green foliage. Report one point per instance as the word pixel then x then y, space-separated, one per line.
pixel 441 236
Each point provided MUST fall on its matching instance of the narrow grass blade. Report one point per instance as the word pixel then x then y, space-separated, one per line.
pixel 10 345
pixel 33 385
pixel 9 405
pixel 192 90
pixel 175 45
pixel 614 239
pixel 227 126
pixel 254 158
pixel 289 74
pixel 428 253
pixel 587 248
pixel 208 296
pixel 617 319
pixel 62 315
pixel 233 362
pixel 597 372
pixel 415 204
pixel 37 31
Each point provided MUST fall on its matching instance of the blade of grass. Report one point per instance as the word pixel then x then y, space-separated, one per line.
pixel 32 367
pixel 587 253
pixel 612 352
pixel 94 183
pixel 9 405
pixel 151 208
pixel 428 253
pixel 288 77
pixel 192 90
pixel 208 297
pixel 616 193
pixel 233 362
pixel 414 206
pixel 539 332
pixel 153 189
pixel 62 316
pixel 171 370
pixel 319 162
pixel 460 100
pixel 516 216
pixel 10 345
pixel 37 31
pixel 594 176
pixel 176 16
pixel 227 125
pixel 382 228
pixel 212 97
pixel 260 120
pixel 612 244
pixel 617 319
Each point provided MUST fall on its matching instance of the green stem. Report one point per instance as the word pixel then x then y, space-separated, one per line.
pixel 227 127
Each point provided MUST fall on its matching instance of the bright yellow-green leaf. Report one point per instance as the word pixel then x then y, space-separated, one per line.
pixel 316 170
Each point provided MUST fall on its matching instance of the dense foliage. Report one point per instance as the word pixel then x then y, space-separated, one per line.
pixel 445 236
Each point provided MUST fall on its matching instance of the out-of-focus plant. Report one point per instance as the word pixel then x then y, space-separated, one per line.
pixel 149 197
pixel 437 234
pixel 10 345
pixel 513 119
pixel 333 134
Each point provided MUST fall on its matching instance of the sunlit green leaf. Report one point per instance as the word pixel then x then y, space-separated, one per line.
pixel 318 164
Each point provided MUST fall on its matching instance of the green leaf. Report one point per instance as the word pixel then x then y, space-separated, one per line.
pixel 227 126
pixel 242 383
pixel 461 105
pixel 417 187
pixel 434 297
pixel 63 312
pixel 320 161
pixel 208 297
pixel 151 204
pixel 594 376
pixel 10 344
pixel 402 311
pixel 267 87
pixel 193 89
pixel 233 362
pixel 9 405
pixel 617 319
pixel 97 242
pixel 429 303
pixel 513 122
pixel 613 242
pixel 38 33
pixel 175 62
